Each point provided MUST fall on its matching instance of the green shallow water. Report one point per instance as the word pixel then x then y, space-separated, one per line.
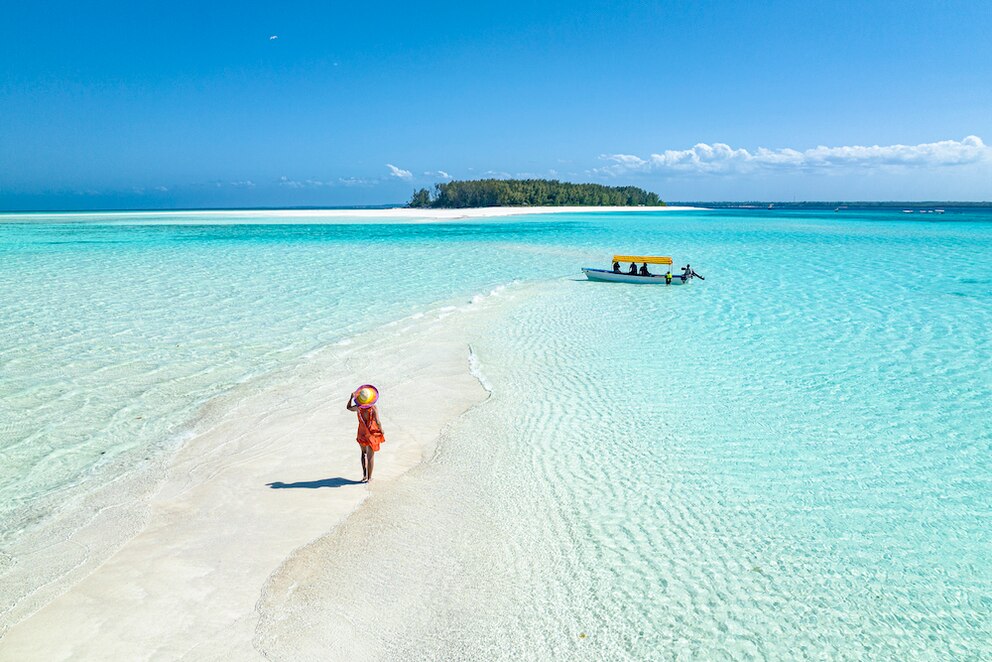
pixel 788 460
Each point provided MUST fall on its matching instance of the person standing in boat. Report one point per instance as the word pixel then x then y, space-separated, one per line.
pixel 370 435
pixel 633 269
pixel 616 267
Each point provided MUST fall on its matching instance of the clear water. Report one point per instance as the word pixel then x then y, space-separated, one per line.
pixel 790 459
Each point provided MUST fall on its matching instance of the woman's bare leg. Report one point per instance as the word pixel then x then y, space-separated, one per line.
pixel 370 461
pixel 365 471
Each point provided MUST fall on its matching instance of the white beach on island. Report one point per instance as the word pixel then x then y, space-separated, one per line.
pixel 337 216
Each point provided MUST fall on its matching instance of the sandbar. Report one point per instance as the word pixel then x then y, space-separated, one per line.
pixel 279 469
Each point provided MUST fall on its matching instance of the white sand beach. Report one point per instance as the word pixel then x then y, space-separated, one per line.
pixel 279 469
pixel 275 216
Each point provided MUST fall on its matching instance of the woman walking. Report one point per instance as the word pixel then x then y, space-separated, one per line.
pixel 370 436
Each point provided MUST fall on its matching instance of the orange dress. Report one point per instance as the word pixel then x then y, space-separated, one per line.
pixel 369 432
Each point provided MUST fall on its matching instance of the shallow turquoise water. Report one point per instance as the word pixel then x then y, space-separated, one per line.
pixel 790 459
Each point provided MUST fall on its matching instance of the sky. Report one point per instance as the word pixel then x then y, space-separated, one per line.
pixel 215 104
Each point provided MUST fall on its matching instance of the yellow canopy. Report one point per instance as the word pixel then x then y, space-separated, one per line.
pixel 642 258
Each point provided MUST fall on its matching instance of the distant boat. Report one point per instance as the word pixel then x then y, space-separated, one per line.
pixel 907 211
pixel 609 276
pixel 938 211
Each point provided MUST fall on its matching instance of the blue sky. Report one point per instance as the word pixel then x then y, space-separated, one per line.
pixel 155 104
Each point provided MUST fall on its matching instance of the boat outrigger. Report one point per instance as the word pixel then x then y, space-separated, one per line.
pixel 633 275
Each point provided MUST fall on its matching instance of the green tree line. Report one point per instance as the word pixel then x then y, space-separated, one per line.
pixel 530 192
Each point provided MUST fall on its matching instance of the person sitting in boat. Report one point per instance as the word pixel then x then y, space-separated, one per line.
pixel 644 270
pixel 633 269
pixel 616 267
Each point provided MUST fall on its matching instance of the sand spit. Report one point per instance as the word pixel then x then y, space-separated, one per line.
pixel 276 472
pixel 395 215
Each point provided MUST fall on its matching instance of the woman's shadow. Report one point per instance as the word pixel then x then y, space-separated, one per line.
pixel 314 484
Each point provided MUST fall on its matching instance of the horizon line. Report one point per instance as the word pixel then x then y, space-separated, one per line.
pixel 894 203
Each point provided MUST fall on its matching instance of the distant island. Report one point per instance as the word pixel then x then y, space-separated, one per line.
pixel 530 193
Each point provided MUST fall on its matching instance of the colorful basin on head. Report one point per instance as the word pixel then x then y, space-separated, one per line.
pixel 367 395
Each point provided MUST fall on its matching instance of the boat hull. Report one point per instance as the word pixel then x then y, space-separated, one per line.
pixel 606 276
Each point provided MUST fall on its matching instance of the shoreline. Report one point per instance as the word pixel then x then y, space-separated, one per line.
pixel 338 215
pixel 241 496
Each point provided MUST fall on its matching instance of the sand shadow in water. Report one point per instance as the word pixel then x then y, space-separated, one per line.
pixel 314 484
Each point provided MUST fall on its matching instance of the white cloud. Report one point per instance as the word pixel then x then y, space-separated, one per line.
pixel 533 175
pixel 320 183
pixel 302 183
pixel 722 158
pixel 399 172
pixel 273 37
pixel 437 173
pixel 357 181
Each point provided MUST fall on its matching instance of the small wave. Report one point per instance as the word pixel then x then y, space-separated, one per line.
pixel 475 368
pixel 495 292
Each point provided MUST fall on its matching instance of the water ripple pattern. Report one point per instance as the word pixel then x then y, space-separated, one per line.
pixel 787 461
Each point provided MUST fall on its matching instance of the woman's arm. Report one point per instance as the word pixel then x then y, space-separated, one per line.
pixel 349 406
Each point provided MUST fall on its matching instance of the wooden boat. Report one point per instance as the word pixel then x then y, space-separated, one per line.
pixel 610 276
